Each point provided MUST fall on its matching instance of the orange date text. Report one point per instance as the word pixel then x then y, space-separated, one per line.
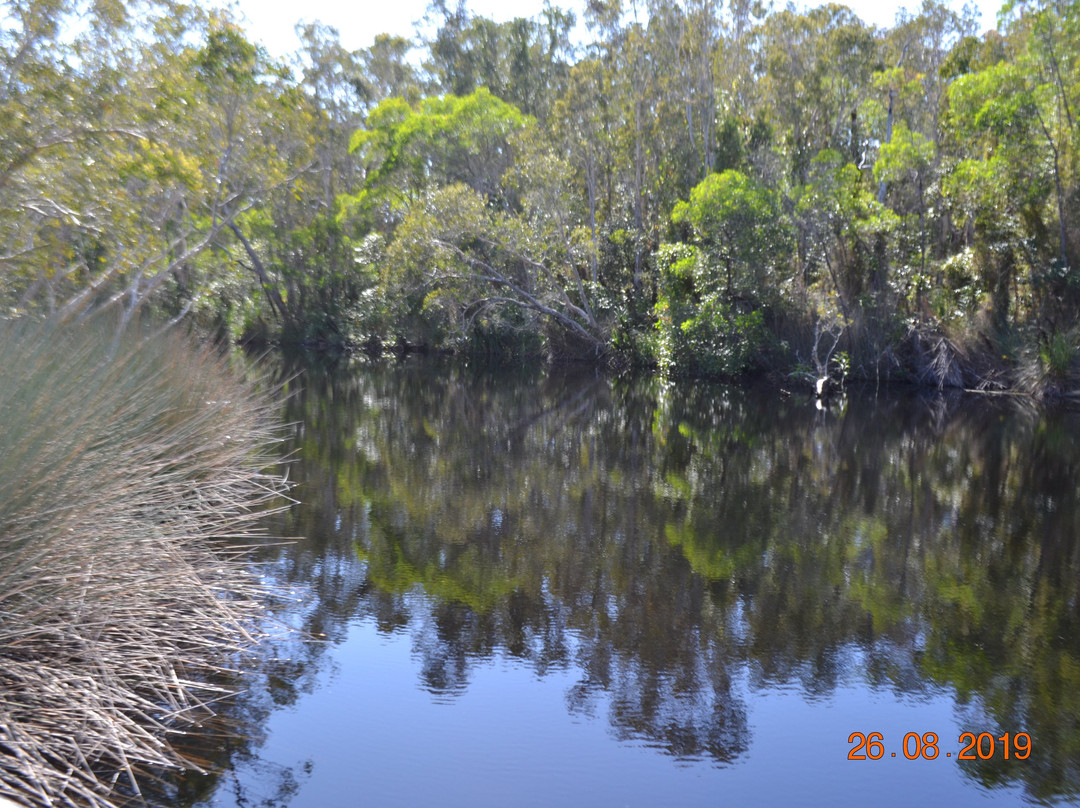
pixel 981 746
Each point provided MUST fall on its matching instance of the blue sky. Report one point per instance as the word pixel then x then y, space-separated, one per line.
pixel 271 21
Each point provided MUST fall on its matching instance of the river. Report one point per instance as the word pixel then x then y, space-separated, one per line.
pixel 539 588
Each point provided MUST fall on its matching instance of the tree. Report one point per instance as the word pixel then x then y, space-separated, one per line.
pixel 386 72
pixel 128 157
pixel 709 311
pixel 741 229
pixel 461 269
pixel 815 70
pixel 523 61
pixel 1000 188
pixel 907 160
pixel 404 150
pixel 847 228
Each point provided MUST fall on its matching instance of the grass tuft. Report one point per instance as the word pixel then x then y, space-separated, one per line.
pixel 1051 366
pixel 122 469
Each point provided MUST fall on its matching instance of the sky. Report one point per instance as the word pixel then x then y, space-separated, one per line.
pixel 271 22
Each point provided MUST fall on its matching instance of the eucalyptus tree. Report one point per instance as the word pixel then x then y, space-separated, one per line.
pixel 403 150
pixel 293 237
pixel 637 99
pixel 524 61
pixel 52 119
pixel 815 71
pixel 385 71
pixel 1008 116
pixel 583 123
pixel 477 209
pixel 243 121
pixel 910 99
pixel 133 146
pixel 913 80
pixel 687 43
pixel 1051 34
pixel 906 162
pixel 331 79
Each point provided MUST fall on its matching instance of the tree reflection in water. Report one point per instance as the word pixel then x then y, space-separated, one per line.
pixel 664 542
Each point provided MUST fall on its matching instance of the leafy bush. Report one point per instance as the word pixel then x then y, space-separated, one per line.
pixel 701 333
pixel 721 341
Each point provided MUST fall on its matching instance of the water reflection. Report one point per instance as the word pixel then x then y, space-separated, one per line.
pixel 665 544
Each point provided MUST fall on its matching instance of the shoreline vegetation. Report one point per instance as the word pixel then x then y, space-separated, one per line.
pixel 932 363
pixel 700 189
pixel 131 472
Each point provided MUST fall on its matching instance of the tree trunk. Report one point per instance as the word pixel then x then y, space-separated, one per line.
pixel 273 296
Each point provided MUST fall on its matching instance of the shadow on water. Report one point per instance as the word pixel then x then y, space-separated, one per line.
pixel 662 542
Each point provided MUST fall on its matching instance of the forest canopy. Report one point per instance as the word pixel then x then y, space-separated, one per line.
pixel 702 187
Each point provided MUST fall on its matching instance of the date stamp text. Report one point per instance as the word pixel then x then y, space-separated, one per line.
pixel 984 746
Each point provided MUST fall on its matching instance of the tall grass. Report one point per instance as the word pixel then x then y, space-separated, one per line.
pixel 121 471
pixel 1049 367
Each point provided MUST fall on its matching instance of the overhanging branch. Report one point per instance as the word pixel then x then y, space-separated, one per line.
pixel 523 298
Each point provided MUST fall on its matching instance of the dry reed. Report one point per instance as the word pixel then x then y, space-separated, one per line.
pixel 122 471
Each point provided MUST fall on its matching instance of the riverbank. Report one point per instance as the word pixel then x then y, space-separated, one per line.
pixel 1039 366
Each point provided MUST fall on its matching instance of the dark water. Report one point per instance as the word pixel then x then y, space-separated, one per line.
pixel 565 590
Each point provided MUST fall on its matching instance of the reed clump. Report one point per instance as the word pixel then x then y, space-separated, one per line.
pixel 124 470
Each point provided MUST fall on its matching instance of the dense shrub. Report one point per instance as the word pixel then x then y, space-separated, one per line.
pixel 699 332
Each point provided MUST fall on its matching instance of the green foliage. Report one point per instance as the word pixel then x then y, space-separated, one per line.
pixel 908 156
pixel 460 270
pixel 739 225
pixel 817 66
pixel 523 61
pixel 846 223
pixel 1059 354
pixel 729 146
pixel 443 140
pixel 996 101
pixel 162 160
pixel 1050 365
pixel 720 341
pixel 698 331
pixel 677 264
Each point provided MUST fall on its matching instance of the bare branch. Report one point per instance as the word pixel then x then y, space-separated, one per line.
pixel 524 299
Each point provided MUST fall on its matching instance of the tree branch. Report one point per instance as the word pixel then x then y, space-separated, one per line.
pixel 524 299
